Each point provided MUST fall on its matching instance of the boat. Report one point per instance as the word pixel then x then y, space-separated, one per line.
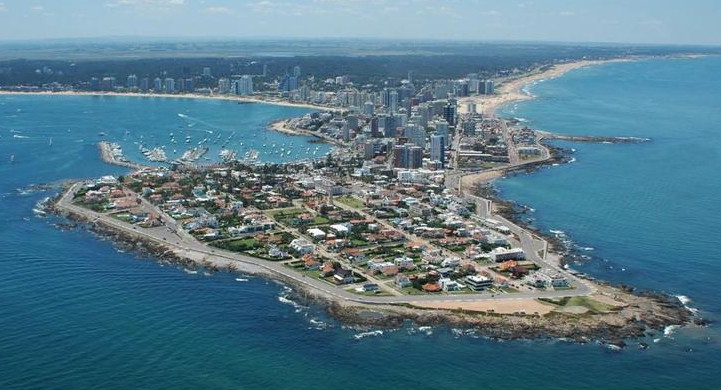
pixel 12 159
pixel 102 134
pixel 227 155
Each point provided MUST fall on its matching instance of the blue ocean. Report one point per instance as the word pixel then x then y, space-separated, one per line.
pixel 77 313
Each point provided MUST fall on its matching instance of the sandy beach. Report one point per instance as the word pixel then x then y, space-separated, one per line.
pixel 512 90
pixel 243 99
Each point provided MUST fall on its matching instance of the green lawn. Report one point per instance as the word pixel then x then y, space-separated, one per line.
pixel 350 201
pixel 239 245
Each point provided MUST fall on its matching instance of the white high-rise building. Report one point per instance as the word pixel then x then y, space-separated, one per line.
pixel 393 101
pixel 438 149
pixel 223 85
pixel 132 81
pixel 169 84
pixel 442 129
pixel 246 85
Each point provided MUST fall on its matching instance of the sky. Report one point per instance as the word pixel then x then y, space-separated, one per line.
pixel 622 21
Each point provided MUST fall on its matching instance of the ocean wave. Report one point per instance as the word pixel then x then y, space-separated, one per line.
pixel 373 333
pixel 670 330
pixel 685 302
pixel 190 271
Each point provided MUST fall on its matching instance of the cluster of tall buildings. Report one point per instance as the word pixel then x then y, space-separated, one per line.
pixel 242 86
pixel 133 83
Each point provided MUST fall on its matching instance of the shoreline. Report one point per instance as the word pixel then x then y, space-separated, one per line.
pixel 232 98
pixel 511 91
pixel 628 315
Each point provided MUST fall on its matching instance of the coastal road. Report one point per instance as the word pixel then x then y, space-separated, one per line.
pixel 200 252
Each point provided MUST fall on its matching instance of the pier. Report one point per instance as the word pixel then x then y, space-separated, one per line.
pixel 113 154
pixel 594 139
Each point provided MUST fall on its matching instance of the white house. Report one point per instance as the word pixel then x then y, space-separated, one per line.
pixel 302 246
pixel 316 233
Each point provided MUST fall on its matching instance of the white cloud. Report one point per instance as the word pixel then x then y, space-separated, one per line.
pixel 2 7
pixel 38 8
pixel 652 22
pixel 566 13
pixel 492 12
pixel 152 3
pixel 219 10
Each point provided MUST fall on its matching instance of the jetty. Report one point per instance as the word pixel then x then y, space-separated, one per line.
pixel 594 139
pixel 112 153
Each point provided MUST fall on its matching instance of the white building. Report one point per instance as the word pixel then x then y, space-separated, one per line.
pixel 302 246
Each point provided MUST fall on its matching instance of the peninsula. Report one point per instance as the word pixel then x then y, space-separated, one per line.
pixel 387 229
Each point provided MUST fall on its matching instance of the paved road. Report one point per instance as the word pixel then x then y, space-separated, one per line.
pixel 199 251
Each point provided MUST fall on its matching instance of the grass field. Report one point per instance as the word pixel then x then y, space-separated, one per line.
pixel 350 201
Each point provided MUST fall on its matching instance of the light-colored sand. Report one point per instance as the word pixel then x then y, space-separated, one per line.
pixel 512 90
pixel 179 96
pixel 507 306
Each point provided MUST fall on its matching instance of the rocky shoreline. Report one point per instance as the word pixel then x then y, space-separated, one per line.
pixel 642 315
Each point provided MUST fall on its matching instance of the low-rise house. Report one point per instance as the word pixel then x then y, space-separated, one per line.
pixel 302 246
pixel 402 281
pixel 316 233
pixel 478 282
pixel 503 254
pixel 451 262
pixel 450 285
pixel 343 276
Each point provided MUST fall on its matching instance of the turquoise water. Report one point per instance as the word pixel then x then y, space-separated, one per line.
pixel 75 313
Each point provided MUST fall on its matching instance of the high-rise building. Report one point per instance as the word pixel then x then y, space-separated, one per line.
pixel 304 93
pixel 415 135
pixel 393 101
pixel 389 125
pixel 223 85
pixel 157 84
pixel 473 81
pixel 190 84
pixel 407 156
pixel 132 81
pixel 206 72
pixel 438 149
pixel 374 127
pixel 471 108
pixel 410 76
pixel 368 108
pixel 488 87
pixel 352 122
pixel 169 85
pixel 442 129
pixel 180 85
pixel 144 84
pixel 449 113
pixel 246 85
pixel 296 71
pixel 288 83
